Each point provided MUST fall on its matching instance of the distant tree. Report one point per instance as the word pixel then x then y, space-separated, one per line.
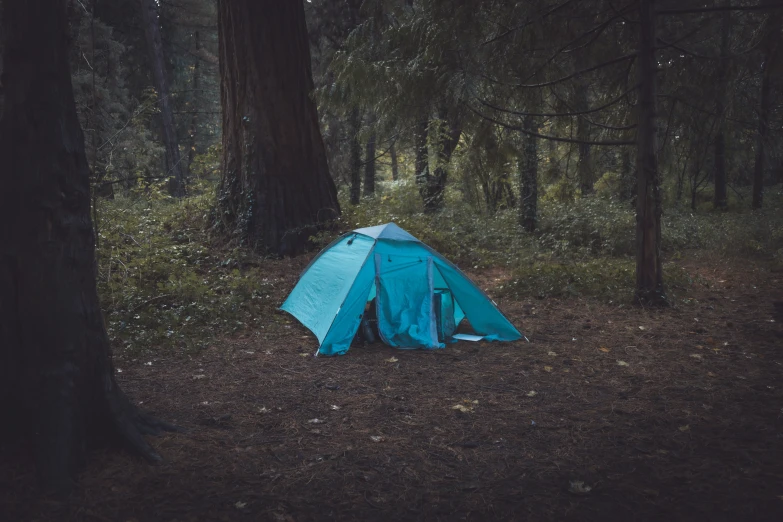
pixel 355 156
pixel 528 178
pixel 369 166
pixel 649 269
pixel 771 50
pixel 395 169
pixel 721 112
pixel 57 384
pixel 275 191
pixel 174 168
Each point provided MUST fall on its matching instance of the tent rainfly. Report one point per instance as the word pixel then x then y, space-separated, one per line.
pixel 420 297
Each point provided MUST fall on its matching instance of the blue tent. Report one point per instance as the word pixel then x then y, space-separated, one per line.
pixel 420 297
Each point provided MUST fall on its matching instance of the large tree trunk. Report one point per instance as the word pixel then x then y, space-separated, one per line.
pixel 275 190
pixel 369 166
pixel 528 179
pixel 770 53
pixel 720 200
pixel 649 272
pixel 56 376
pixel 149 14
pixel 584 168
pixel 193 106
pixel 355 157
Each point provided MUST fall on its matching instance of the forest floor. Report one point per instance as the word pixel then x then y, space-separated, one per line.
pixel 610 413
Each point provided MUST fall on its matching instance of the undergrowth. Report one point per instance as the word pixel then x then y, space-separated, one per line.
pixel 162 283
pixel 165 285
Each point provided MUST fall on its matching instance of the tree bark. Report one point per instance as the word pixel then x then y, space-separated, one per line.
pixel 435 186
pixel 355 158
pixel 765 103
pixel 422 154
pixel 584 168
pixel 720 200
pixel 275 191
pixel 649 272
pixel 174 170
pixel 627 178
pixel 194 116
pixel 394 166
pixel 369 167
pixel 528 179
pixel 56 375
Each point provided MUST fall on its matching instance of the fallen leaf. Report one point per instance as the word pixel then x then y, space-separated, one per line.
pixel 334 407
pixel 315 421
pixel 392 360
pixel 553 354
pixel 376 438
pixel 687 427
pixel 240 505
pixel 198 377
pixel 642 328
pixel 710 374
pixel 547 368
pixel 263 409
pixel 696 356
pixel 304 354
pixel 605 349
pixel 462 408
pixel 622 363
pixel 531 393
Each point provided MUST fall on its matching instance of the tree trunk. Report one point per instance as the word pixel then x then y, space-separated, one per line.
pixel 394 167
pixel 765 102
pixel 649 273
pixel 627 177
pixel 435 187
pixel 275 191
pixel 56 375
pixel 149 15
pixel 369 167
pixel 194 106
pixel 584 169
pixel 720 200
pixel 528 179
pixel 355 158
pixel 422 154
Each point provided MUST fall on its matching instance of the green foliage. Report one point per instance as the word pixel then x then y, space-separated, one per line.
pixel 583 247
pixel 117 137
pixel 162 285
pixel 604 278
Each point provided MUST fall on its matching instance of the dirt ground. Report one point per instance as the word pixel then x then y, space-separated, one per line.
pixel 610 413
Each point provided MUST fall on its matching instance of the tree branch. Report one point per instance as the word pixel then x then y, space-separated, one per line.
pixel 578 73
pixel 608 143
